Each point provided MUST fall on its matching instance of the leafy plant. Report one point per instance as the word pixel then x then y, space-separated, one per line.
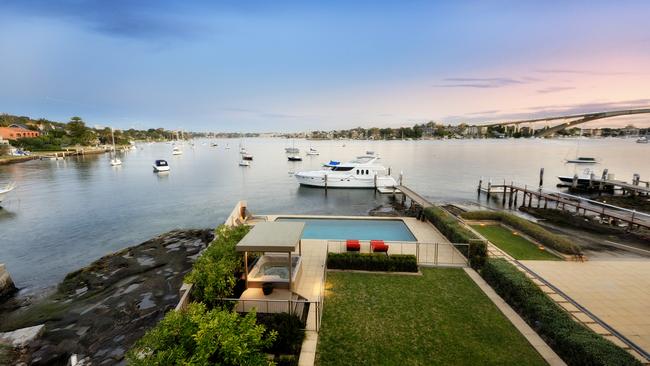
pixel 455 232
pixel 216 271
pixel 576 344
pixel 289 329
pixel 372 262
pixel 198 336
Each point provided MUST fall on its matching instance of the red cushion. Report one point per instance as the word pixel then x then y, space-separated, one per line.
pixel 378 246
pixel 352 245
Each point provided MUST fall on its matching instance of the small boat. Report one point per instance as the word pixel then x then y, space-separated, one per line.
pixel 160 166
pixel 583 178
pixel 244 163
pixel 642 140
pixel 5 190
pixel 114 159
pixel 293 149
pixel 312 152
pixel 582 160
pixel 177 151
pixel 294 158
pixel 227 147
pixel 332 164
pixel 214 145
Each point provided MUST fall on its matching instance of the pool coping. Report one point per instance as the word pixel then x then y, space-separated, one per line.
pixel 358 217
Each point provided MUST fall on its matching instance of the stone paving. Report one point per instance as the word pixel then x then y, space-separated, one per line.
pixel 617 292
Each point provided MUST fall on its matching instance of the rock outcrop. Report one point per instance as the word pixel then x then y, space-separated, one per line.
pixel 99 311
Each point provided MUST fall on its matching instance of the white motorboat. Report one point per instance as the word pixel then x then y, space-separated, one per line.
pixel 363 172
pixel 583 178
pixel 227 147
pixel 160 166
pixel 582 160
pixel 177 151
pixel 5 190
pixel 115 161
pixel 244 163
pixel 642 140
pixel 312 152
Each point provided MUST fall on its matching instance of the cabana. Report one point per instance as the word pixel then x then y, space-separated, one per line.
pixel 277 238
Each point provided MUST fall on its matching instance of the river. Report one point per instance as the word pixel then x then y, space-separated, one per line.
pixel 66 213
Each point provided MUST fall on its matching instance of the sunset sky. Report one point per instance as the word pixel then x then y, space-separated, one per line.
pixel 298 65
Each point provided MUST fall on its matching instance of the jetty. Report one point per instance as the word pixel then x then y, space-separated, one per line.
pixel 542 198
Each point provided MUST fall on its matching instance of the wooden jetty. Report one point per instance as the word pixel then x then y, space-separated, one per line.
pixel 549 199
pixel 414 197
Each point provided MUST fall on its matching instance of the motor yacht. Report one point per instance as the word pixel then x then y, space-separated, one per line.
pixel 294 158
pixel 177 151
pixel 332 164
pixel 5 190
pixel 358 173
pixel 312 152
pixel 160 166
pixel 244 163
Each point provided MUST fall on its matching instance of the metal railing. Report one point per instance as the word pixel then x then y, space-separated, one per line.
pixel 426 253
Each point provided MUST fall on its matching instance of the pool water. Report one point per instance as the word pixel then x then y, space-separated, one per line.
pixel 360 229
pixel 274 270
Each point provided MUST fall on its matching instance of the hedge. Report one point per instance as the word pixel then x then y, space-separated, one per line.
pixel 574 343
pixel 455 232
pixel 372 262
pixel 531 229
pixel 215 273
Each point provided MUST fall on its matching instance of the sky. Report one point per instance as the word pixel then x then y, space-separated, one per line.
pixel 306 65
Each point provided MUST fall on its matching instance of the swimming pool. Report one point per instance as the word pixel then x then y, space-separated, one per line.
pixel 361 229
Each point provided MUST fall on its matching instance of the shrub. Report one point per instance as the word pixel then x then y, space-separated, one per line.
pixel 573 342
pixel 531 229
pixel 199 336
pixel 372 262
pixel 289 330
pixel 216 272
pixel 455 232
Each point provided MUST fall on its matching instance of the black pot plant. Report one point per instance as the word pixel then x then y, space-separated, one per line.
pixel 267 288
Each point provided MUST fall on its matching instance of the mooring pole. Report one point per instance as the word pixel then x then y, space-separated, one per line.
pixel 480 183
pixel 541 179
pixel 488 189
pixel 325 184
pixel 574 184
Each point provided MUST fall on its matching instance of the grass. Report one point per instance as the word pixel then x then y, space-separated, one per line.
pixel 440 318
pixel 515 245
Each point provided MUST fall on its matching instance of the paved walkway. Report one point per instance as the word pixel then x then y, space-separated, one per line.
pixel 618 292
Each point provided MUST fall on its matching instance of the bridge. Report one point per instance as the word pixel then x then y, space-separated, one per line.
pixel 576 120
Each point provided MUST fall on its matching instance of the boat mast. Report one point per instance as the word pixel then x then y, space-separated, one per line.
pixel 113 138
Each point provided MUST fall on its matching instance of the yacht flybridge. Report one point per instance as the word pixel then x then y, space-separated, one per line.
pixel 358 173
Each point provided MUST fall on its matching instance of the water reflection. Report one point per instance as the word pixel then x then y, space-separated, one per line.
pixel 66 213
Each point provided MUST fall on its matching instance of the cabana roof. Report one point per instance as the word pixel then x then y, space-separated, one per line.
pixel 272 237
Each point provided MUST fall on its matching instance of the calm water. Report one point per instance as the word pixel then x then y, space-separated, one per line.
pixel 390 230
pixel 65 214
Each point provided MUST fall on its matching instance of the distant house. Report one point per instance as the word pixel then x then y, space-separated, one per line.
pixel 15 131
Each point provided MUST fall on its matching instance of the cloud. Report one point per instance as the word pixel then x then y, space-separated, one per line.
pixel 549 111
pixel 583 72
pixel 146 19
pixel 554 89
pixel 498 82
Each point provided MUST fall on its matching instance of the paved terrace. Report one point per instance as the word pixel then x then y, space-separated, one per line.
pixel 618 292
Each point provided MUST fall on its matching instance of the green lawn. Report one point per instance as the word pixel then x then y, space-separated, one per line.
pixel 440 318
pixel 515 245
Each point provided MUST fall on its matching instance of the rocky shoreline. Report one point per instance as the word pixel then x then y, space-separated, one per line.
pixel 99 311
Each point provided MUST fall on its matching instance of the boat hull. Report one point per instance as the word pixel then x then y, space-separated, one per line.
pixel 335 181
pixel 159 169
